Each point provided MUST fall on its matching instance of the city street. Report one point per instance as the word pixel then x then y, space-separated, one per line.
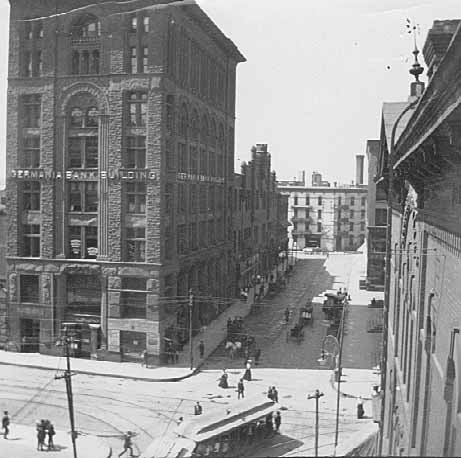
pixel 106 407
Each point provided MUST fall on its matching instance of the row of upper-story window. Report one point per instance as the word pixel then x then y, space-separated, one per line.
pixel 82 197
pixel 191 67
pixel 320 200
pixel 187 61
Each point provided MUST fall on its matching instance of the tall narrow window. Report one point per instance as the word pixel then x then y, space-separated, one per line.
pixel 145 23
pixel 28 30
pixel 91 118
pixel 83 242
pixel 83 197
pixel 75 62
pixel 319 214
pixel 37 64
pixel 137 108
pixel 83 152
pixel 319 227
pixel 85 64
pixel 182 158
pixel 145 59
pixel 133 60
pixel 94 62
pixel 136 197
pixel 135 152
pixel 31 240
pixel 32 108
pixel 133 23
pixel 31 153
pixel 29 287
pixel 38 30
pixel 133 298
pixel 170 113
pixel 136 244
pixel 31 195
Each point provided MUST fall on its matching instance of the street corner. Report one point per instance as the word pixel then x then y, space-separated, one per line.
pixel 22 443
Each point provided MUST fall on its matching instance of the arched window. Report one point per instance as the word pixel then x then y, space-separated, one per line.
pixel 212 139
pixel 87 26
pixel 204 132
pixel 183 122
pixel 195 126
pixel 91 117
pixel 221 143
pixel 76 117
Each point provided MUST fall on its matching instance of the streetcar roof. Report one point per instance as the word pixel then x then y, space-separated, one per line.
pixel 203 427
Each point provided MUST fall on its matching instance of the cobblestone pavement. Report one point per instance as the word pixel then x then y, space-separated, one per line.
pixel 267 323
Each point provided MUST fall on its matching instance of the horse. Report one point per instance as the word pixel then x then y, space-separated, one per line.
pixel 233 348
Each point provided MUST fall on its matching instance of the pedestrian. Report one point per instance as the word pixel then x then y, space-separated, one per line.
pixel 240 389
pixel 223 380
pixel 270 394
pixel 277 421
pixel 275 394
pixel 41 435
pixel 51 433
pixel 257 355
pixel 198 409
pixel 360 409
pixel 145 357
pixel 247 374
pixel 287 315
pixel 127 443
pixel 201 349
pixel 5 424
pixel 180 420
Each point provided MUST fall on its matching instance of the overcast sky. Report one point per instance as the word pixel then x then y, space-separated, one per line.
pixel 317 72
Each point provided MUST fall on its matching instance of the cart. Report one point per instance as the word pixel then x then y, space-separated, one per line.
pixel 296 333
pixel 305 314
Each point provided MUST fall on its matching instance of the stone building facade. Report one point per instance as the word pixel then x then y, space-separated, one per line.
pixel 376 221
pixel 422 383
pixel 332 218
pixel 120 166
pixel 260 219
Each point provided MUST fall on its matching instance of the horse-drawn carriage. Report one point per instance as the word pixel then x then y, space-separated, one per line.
pixel 296 332
pixel 305 314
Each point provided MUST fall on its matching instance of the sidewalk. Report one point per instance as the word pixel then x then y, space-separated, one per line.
pixel 22 443
pixel 212 336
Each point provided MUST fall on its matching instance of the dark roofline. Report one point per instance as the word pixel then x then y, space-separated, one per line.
pixel 193 10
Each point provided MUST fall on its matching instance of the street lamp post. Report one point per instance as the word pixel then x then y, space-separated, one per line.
pixel 317 395
pixel 191 306
pixel 338 367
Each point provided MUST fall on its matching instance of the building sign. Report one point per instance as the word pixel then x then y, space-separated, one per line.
pixel 195 177
pixel 85 174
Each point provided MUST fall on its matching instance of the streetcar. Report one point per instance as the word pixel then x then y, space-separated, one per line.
pixel 236 430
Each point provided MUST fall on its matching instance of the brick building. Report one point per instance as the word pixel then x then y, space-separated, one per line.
pixel 422 396
pixel 332 218
pixel 376 220
pixel 119 170
pixel 260 219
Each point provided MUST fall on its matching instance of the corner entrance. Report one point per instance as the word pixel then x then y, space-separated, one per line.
pixel 30 335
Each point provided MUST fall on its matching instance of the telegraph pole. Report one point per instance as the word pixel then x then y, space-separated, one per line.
pixel 317 395
pixel 66 342
pixel 191 306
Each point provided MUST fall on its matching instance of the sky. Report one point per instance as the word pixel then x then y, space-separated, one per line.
pixel 316 75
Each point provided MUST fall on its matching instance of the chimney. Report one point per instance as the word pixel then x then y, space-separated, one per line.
pixel 304 178
pixel 359 169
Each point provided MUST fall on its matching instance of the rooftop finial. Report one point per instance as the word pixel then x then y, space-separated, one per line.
pixel 416 68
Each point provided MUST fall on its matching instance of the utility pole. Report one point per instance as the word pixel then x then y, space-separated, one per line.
pixel 191 305
pixel 67 342
pixel 317 395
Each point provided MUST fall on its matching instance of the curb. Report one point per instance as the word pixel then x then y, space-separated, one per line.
pixel 346 395
pixel 99 374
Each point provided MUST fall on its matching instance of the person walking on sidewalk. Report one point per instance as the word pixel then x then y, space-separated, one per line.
pixel 127 443
pixel 201 349
pixel 277 421
pixel 247 374
pixel 275 394
pixel 145 359
pixel 5 424
pixel 198 410
pixel 41 435
pixel 51 433
pixel 240 389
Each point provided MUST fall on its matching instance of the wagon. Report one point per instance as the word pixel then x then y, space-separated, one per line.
pixel 305 314
pixel 296 333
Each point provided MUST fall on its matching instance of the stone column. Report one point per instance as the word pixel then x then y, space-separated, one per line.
pixel 60 186
pixel 103 207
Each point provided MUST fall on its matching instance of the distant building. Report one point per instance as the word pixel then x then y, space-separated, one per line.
pixel 376 221
pixel 260 219
pixel 331 218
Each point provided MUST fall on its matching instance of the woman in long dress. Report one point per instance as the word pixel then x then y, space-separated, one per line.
pixel 247 375
pixel 223 380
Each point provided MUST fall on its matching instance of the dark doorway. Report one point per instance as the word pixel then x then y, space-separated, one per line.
pixel 132 344
pixel 30 335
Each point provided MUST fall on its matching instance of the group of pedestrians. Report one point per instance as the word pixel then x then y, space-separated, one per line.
pixel 273 394
pixel 45 428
